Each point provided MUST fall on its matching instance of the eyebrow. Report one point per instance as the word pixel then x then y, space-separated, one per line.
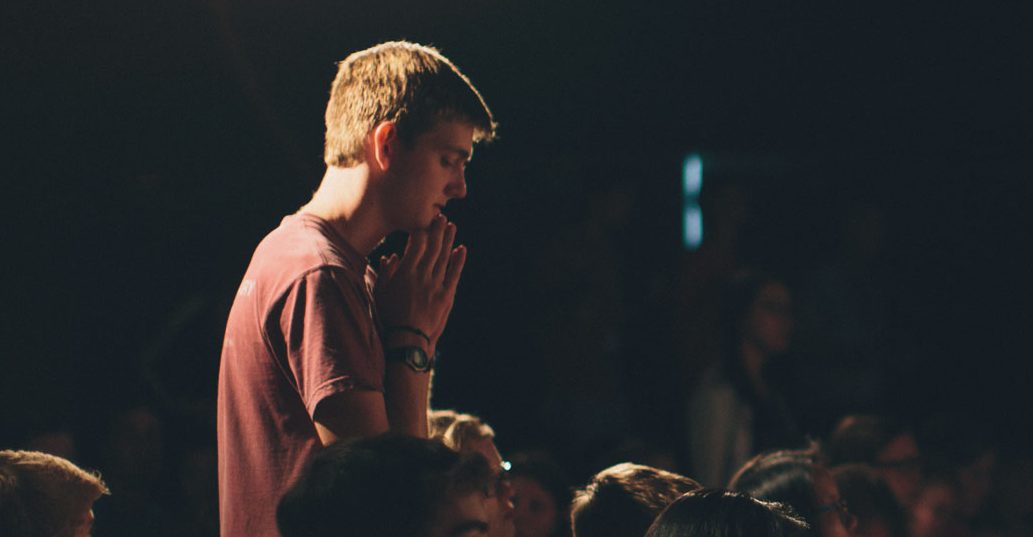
pixel 463 527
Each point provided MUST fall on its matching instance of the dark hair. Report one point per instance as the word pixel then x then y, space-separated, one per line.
pixel 386 486
pixel 738 295
pixel 860 438
pixel 786 477
pixel 543 469
pixel 623 500
pixel 721 513
pixel 870 499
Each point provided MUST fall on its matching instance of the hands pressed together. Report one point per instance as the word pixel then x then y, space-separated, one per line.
pixel 418 289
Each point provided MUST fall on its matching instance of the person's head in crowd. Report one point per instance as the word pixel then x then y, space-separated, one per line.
pixel 541 497
pixel 961 445
pixel 936 509
pixel 722 513
pixel 43 495
pixel 797 479
pixel 134 452
pixel 883 444
pixel 623 500
pixel 871 501
pixel 1012 495
pixel 467 433
pixel 388 486
pixel 56 440
pixel 757 323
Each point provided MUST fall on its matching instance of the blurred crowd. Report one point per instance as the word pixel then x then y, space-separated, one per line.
pixel 738 452
pixel 871 477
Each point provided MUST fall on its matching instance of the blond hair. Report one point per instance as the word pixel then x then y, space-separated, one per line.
pixel 456 430
pixel 44 495
pixel 412 85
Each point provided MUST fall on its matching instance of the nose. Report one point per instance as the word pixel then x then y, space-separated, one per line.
pixel 457 187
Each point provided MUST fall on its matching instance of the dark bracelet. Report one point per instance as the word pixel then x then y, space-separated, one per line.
pixel 410 329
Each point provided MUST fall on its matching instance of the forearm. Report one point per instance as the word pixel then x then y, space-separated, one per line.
pixel 406 391
pixel 407 396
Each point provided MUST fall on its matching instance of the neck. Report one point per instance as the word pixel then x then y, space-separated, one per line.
pixel 344 199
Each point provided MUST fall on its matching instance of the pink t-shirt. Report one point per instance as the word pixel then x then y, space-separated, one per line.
pixel 301 329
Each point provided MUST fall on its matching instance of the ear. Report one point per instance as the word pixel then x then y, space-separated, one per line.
pixel 382 142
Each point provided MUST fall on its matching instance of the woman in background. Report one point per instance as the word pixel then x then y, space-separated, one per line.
pixel 735 411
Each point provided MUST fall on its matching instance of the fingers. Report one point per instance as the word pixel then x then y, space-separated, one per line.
pixel 444 252
pixel 414 248
pixel 435 235
pixel 455 269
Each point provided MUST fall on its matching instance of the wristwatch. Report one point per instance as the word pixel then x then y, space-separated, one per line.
pixel 414 357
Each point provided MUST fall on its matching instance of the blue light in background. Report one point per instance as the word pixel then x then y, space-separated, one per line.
pixel 692 175
pixel 692 214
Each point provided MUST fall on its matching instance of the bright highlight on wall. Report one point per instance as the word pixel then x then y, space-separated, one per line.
pixel 692 214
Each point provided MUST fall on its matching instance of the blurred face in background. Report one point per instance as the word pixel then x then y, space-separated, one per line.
pixel 935 511
pixel 975 481
pixel 899 465
pixel 500 507
pixel 770 323
pixel 536 510
pixel 834 518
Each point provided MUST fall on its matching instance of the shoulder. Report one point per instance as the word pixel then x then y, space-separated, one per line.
pixel 301 245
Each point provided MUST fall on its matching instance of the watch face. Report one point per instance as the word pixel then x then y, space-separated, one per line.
pixel 414 357
pixel 417 359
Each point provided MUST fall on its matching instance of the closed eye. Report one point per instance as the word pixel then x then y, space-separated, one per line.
pixel 456 163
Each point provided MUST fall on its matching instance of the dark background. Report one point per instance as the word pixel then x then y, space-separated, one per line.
pixel 148 146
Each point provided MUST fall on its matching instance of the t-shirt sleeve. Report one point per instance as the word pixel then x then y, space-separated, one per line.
pixel 331 343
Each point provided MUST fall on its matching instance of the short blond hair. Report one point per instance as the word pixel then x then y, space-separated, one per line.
pixel 456 429
pixel 412 85
pixel 44 495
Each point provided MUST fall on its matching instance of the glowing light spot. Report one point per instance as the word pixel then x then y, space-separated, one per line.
pixel 693 227
pixel 692 174
pixel 692 214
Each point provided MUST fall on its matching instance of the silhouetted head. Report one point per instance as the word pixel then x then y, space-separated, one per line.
pixel 871 501
pixel 795 478
pixel 883 444
pixel 721 513
pixel 623 500
pixel 387 486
